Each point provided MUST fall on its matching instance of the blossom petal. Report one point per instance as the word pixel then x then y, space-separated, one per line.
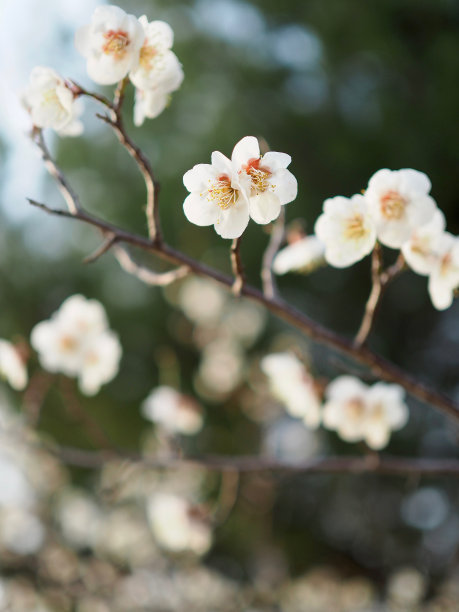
pixel 246 149
pixel 233 221
pixel 264 207
pixel 275 160
pixel 200 211
pixel 285 186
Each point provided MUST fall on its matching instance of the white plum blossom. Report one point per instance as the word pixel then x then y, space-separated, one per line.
pixel 444 276
pixel 173 411
pixel 358 412
pixel 77 342
pixel 177 525
pixel 304 255
pixel 216 198
pixel 399 201
pixel 111 44
pixel 265 179
pixel 51 103
pixel 158 66
pixel 293 386
pixel 420 252
pixel 227 193
pixel 12 367
pixel 347 230
pixel 150 103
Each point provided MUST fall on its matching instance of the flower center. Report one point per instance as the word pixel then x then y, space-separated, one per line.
pixel 445 264
pixel 355 408
pixel 117 41
pixel 258 175
pixel 147 53
pixel 222 193
pixel 67 344
pixel 393 205
pixel 355 228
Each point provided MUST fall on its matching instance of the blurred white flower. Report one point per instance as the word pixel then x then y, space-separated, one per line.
pixel 420 252
pixel 399 201
pixel 177 525
pixel 51 103
pixel 243 321
pixel 12 367
pixel 16 490
pixel 215 197
pixel 444 276
pixel 292 385
pixel 21 532
pixel 264 178
pixel 173 411
pixel 358 412
pixel 76 341
pixel 202 301
pixel 111 44
pixel 79 518
pixel 149 104
pixel 158 66
pixel 347 230
pixel 221 367
pixel 304 255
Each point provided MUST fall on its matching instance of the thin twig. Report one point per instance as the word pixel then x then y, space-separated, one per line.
pixel 146 275
pixel 103 248
pixel 275 241
pixel 379 366
pixel 397 466
pixel 380 280
pixel 237 267
pixel 71 198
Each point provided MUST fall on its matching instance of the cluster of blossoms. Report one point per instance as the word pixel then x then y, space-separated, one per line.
pixel 351 408
pixel 116 45
pixel 227 193
pixel 172 411
pixel 78 342
pixel 395 210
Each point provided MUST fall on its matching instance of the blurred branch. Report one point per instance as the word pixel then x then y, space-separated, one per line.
pixel 104 247
pixel 379 366
pixel 380 280
pixel 144 274
pixel 275 241
pixel 396 466
pixel 237 267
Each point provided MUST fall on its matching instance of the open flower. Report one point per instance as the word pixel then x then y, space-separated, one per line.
pixel 293 386
pixel 347 230
pixel 304 255
pixel 12 366
pixel 399 201
pixel 444 276
pixel 358 412
pixel 173 411
pixel 265 179
pixel 51 103
pixel 158 65
pixel 420 252
pixel 111 44
pixel 77 341
pixel 177 525
pixel 215 197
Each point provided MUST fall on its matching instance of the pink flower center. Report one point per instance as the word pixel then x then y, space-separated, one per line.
pixel 355 408
pixel 393 205
pixel 117 43
pixel 258 175
pixel 222 193
pixel 355 228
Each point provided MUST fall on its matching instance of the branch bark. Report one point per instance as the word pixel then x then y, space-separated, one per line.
pixel 237 267
pixel 267 276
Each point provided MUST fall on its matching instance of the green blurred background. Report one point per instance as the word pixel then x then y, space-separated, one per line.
pixel 346 87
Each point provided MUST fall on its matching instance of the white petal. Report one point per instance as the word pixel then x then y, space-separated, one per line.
pixel 264 207
pixel 413 180
pixel 441 293
pixel 198 177
pixel 377 435
pixel 285 186
pixel 200 211
pixel 221 163
pixel 233 221
pixel 275 160
pixel 246 149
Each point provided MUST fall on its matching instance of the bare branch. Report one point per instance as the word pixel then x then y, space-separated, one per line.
pixel 379 366
pixel 71 198
pixel 144 274
pixel 380 280
pixel 103 248
pixel 396 466
pixel 275 241
pixel 237 267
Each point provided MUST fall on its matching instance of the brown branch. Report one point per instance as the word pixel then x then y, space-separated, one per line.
pixel 275 241
pixel 237 267
pixel 144 274
pixel 71 198
pixel 379 366
pixel 380 279
pixel 103 248
pixel 396 466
